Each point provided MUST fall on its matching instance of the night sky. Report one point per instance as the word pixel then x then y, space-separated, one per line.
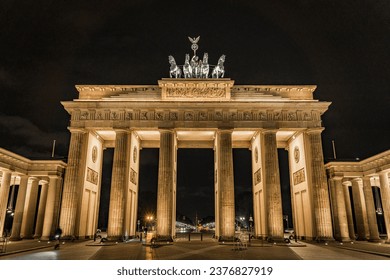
pixel 47 47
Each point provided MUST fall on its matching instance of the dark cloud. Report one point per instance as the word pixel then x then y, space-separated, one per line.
pixel 22 136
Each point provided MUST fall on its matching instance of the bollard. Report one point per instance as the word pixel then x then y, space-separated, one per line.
pixel 189 236
pixel 201 236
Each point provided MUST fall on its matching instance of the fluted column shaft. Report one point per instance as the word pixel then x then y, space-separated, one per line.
pixel 339 209
pixel 385 194
pixel 31 209
pixel 165 183
pixel 370 208
pixel 333 204
pixel 359 206
pixel 49 211
pixel 41 210
pixel 226 184
pixel 57 205
pixel 19 208
pixel 72 183
pixel 118 185
pixel 272 186
pixel 317 178
pixel 348 208
pixel 4 192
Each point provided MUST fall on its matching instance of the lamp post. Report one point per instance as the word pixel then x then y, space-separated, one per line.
pixel 250 223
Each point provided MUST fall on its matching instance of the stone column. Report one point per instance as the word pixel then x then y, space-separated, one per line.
pixel 272 186
pixel 333 204
pixel 318 182
pixel 225 185
pixel 370 208
pixel 4 193
pixel 57 205
pixel 73 183
pixel 119 185
pixel 50 205
pixel 360 209
pixel 19 208
pixel 41 210
pixel 339 209
pixel 348 209
pixel 165 184
pixel 385 194
pixel 31 209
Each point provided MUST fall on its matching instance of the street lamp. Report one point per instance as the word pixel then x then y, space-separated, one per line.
pixel 149 219
pixel 242 220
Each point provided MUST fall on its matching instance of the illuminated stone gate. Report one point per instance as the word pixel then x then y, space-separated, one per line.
pixel 196 113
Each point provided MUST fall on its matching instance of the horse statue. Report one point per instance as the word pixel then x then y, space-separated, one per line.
pixel 219 71
pixel 195 66
pixel 174 70
pixel 205 68
pixel 187 69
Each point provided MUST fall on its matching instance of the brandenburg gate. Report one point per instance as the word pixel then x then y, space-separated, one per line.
pixel 201 110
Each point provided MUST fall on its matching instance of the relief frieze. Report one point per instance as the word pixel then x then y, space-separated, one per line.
pixel 129 116
pixel 257 176
pixel 182 115
pixel 173 116
pixel 218 116
pixel 92 176
pixel 299 176
pixel 247 116
pixel 133 176
pixel 203 116
pixel 195 92
pixel 189 116
pixel 262 116
pixel 159 116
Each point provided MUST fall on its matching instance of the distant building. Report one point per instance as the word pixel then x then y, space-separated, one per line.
pixel 360 197
pixel 30 196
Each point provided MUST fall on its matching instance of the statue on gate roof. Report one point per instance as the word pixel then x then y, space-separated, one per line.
pixel 195 67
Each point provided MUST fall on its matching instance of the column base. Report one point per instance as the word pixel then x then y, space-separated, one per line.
pixel 375 240
pixel 343 239
pixel 323 239
pixel 44 238
pixel 15 238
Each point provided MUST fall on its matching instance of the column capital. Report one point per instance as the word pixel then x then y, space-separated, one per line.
pixel 314 130
pixel 121 130
pixel 357 179
pixel 347 181
pixel 6 171
pixel 384 172
pixel 33 179
pixel 337 178
pixel 54 177
pixel 269 131
pixel 367 178
pixel 166 130
pixel 76 129
pixel 224 130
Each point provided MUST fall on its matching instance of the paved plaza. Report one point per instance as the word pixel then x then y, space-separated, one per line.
pixel 195 250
